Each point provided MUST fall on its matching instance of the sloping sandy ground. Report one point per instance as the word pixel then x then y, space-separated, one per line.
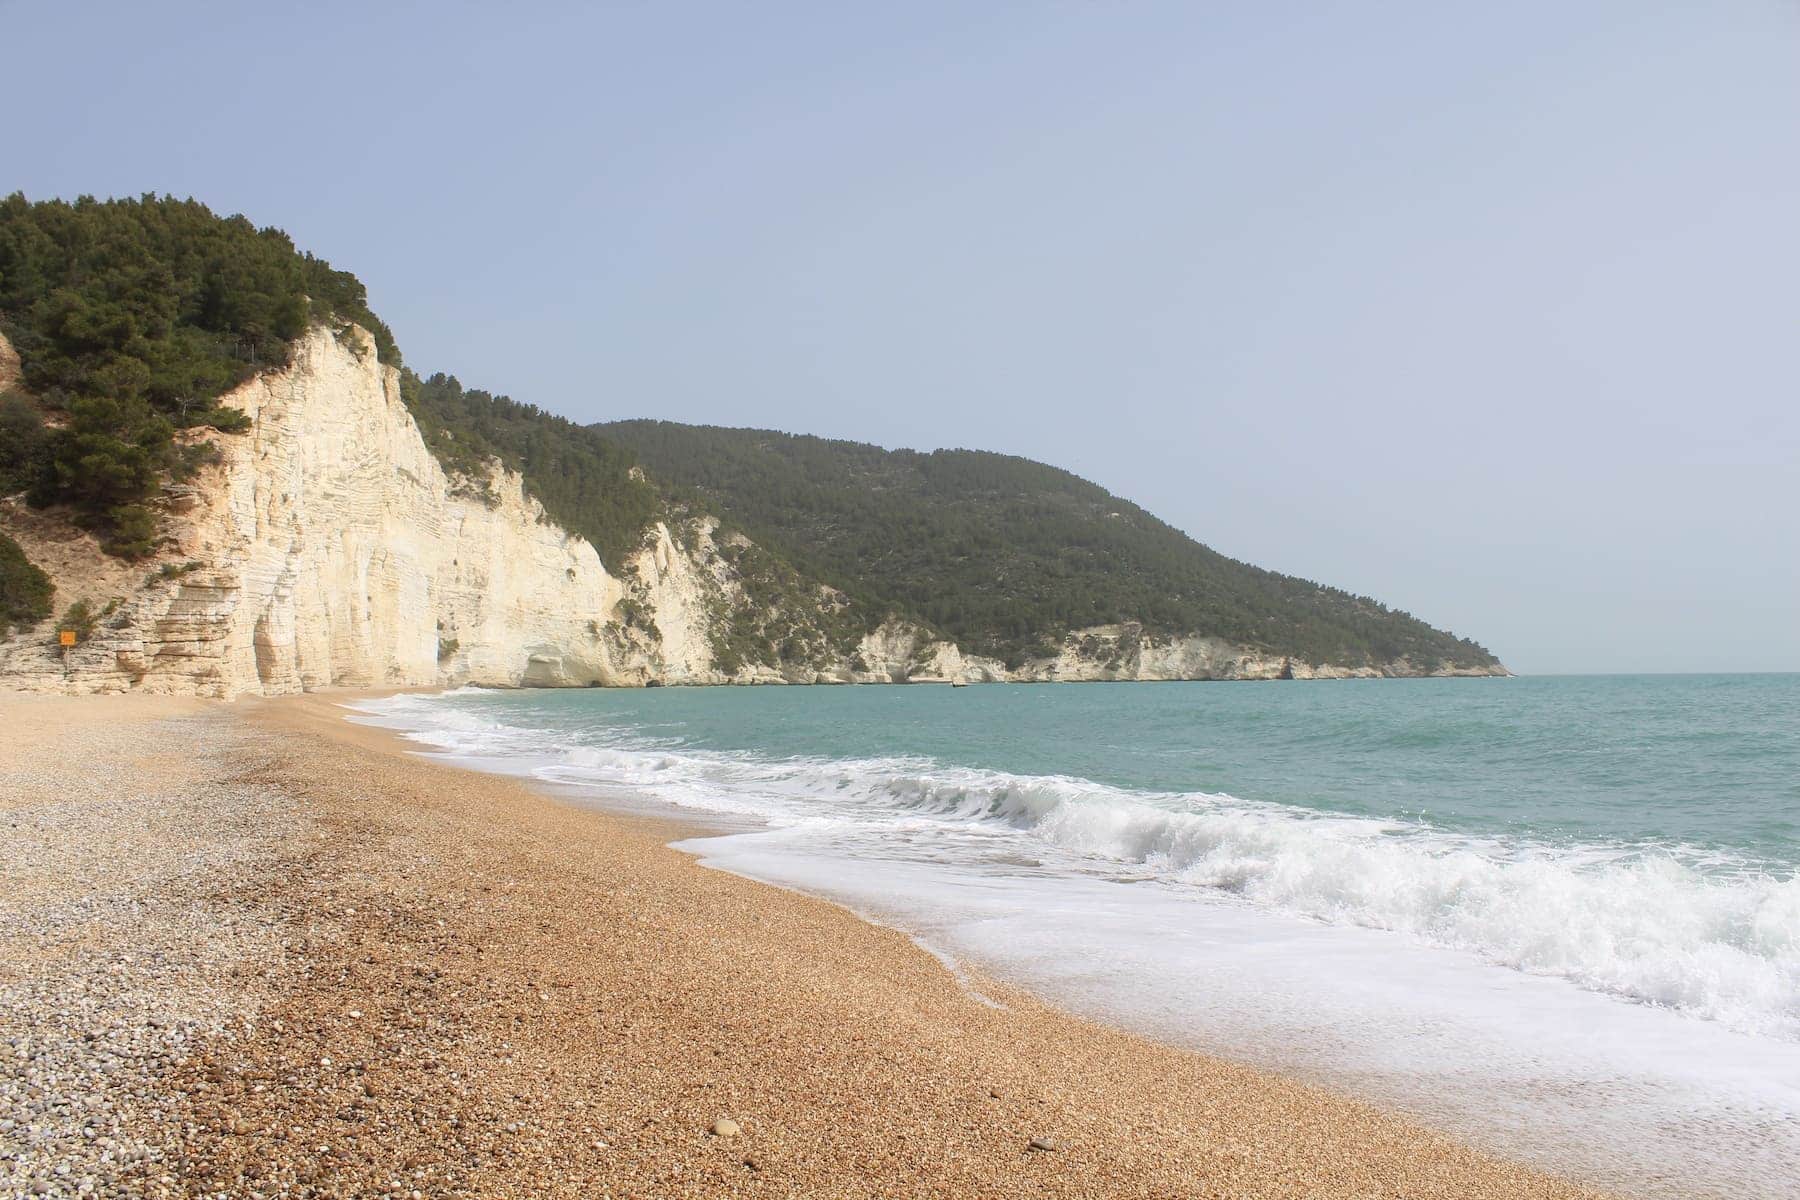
pixel 255 951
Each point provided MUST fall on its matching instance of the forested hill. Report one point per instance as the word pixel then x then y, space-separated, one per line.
pixel 1003 554
pixel 133 318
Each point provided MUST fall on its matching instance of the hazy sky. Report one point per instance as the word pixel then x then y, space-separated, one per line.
pixel 1491 311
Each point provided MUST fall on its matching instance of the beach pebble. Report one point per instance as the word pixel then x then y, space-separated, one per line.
pixel 724 1127
pixel 150 962
pixel 1043 1143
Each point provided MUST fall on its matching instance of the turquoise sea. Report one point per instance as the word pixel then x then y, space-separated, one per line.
pixel 1558 915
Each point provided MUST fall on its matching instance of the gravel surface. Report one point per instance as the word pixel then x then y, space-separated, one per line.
pixel 121 950
pixel 253 951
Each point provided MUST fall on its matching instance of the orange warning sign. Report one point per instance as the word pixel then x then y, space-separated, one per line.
pixel 66 637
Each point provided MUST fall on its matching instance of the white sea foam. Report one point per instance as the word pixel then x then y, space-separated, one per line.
pixel 1647 924
pixel 1478 979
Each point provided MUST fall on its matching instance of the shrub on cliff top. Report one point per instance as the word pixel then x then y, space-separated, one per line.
pixel 24 589
pixel 80 618
pixel 131 317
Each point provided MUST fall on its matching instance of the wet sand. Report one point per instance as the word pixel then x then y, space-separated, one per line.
pixel 385 976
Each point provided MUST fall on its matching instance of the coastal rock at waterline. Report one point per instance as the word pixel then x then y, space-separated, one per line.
pixel 1127 652
pixel 900 652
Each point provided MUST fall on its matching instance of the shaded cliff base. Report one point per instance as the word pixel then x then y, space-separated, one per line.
pixel 288 959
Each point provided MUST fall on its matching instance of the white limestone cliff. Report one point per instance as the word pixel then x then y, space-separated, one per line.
pixel 329 548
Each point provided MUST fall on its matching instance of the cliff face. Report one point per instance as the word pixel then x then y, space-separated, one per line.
pixel 329 548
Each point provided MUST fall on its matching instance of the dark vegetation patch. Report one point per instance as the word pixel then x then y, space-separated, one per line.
pixel 24 589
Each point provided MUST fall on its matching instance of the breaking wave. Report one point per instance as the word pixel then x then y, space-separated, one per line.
pixel 1659 924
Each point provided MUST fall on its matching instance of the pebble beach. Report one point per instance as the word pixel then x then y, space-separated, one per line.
pixel 255 950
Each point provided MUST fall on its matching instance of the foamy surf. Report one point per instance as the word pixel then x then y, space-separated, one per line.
pixel 1628 1010
pixel 1656 924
